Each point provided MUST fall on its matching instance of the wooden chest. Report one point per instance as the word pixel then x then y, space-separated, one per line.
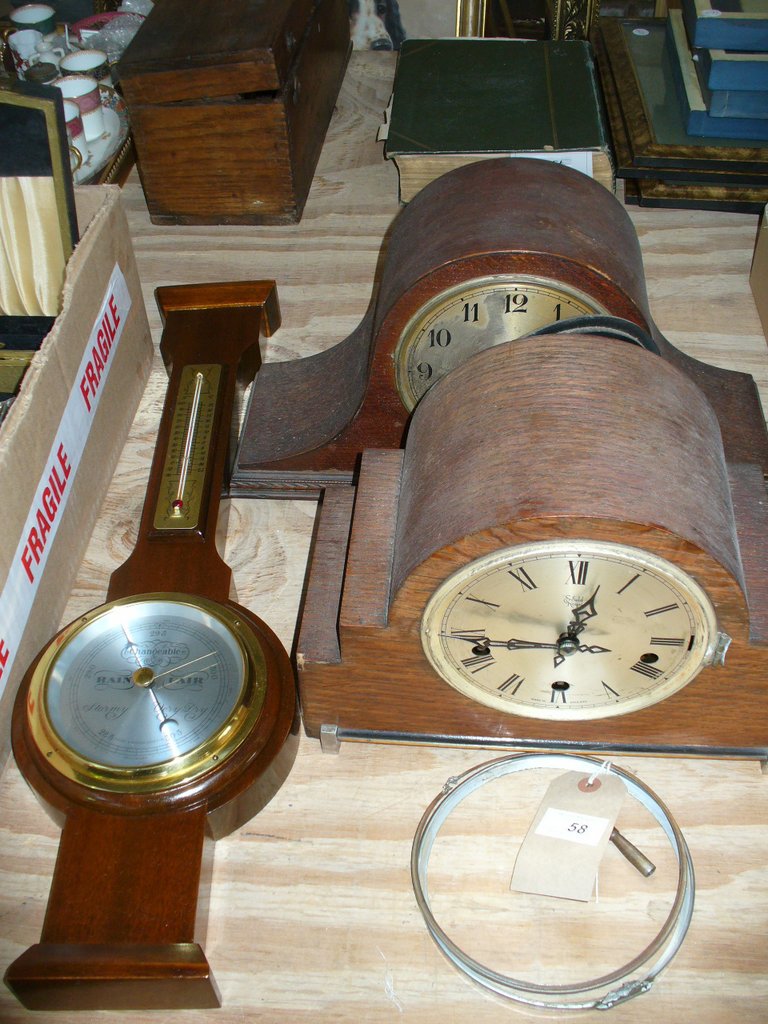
pixel 229 105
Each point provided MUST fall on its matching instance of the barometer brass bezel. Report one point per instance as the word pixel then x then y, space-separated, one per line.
pixel 164 775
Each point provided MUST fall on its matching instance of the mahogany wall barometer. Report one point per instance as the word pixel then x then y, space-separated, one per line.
pixel 164 718
pixel 484 254
pixel 569 552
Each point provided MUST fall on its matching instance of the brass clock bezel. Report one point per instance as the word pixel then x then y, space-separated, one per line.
pixel 165 775
pixel 699 608
pixel 466 290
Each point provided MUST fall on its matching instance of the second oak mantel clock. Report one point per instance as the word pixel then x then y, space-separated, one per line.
pixel 486 253
pixel 165 718
pixel 567 553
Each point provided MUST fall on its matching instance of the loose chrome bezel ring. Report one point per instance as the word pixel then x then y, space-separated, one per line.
pixel 607 991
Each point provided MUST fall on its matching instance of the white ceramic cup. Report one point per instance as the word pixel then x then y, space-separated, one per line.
pixel 75 130
pixel 23 46
pixel 49 51
pixel 84 90
pixel 87 62
pixel 38 16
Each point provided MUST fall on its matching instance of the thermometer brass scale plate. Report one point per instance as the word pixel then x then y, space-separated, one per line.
pixel 567 549
pixel 164 718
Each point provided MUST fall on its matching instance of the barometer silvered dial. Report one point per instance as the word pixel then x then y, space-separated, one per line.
pixel 147 690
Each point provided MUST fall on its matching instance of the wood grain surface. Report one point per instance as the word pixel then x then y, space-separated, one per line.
pixel 312 915
pixel 227 129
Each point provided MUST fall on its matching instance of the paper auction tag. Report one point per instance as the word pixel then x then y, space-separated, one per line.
pixel 562 851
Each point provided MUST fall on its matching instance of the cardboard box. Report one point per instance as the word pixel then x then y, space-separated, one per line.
pixel 61 439
pixel 758 276
pixel 230 103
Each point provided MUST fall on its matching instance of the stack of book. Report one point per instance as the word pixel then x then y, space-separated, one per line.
pixel 678 140
pixel 698 38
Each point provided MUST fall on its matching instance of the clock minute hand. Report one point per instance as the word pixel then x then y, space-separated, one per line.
pixel 585 611
pixel 565 646
pixel 512 645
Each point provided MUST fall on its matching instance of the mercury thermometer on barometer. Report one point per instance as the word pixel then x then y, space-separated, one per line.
pixel 178 506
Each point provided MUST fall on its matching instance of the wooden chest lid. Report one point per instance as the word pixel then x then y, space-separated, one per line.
pixel 189 49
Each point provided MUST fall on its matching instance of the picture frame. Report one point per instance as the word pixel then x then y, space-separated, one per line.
pixel 635 51
pixel 35 172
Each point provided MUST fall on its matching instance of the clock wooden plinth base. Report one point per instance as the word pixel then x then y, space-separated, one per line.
pixel 606 468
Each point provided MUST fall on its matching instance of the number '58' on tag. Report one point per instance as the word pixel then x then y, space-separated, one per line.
pixel 572 826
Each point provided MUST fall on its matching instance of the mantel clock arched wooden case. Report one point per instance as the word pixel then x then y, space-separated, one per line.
pixel 486 253
pixel 568 552
pixel 483 254
pixel 562 556
pixel 165 718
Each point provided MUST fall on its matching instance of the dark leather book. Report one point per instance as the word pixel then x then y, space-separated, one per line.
pixel 459 100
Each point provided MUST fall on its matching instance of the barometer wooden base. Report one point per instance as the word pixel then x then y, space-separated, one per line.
pixel 89 977
pixel 123 929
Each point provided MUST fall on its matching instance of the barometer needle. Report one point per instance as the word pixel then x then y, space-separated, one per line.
pixel 131 644
pixel 164 720
pixel 179 668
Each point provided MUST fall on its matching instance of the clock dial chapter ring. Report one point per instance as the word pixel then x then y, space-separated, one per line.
pixel 569 630
pixel 142 693
pixel 544 280
pixel 475 315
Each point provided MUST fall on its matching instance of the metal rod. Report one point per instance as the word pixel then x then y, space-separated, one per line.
pixel 635 857
pixel 470 18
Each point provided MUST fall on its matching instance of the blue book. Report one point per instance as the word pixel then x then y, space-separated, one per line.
pixel 698 120
pixel 730 102
pixel 736 103
pixel 732 69
pixel 727 24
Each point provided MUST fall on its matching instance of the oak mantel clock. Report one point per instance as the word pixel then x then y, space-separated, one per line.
pixel 486 253
pixel 166 717
pixel 567 553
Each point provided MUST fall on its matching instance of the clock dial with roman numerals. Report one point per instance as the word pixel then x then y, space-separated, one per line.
pixel 570 630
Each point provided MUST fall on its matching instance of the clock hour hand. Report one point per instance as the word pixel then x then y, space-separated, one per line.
pixel 567 646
